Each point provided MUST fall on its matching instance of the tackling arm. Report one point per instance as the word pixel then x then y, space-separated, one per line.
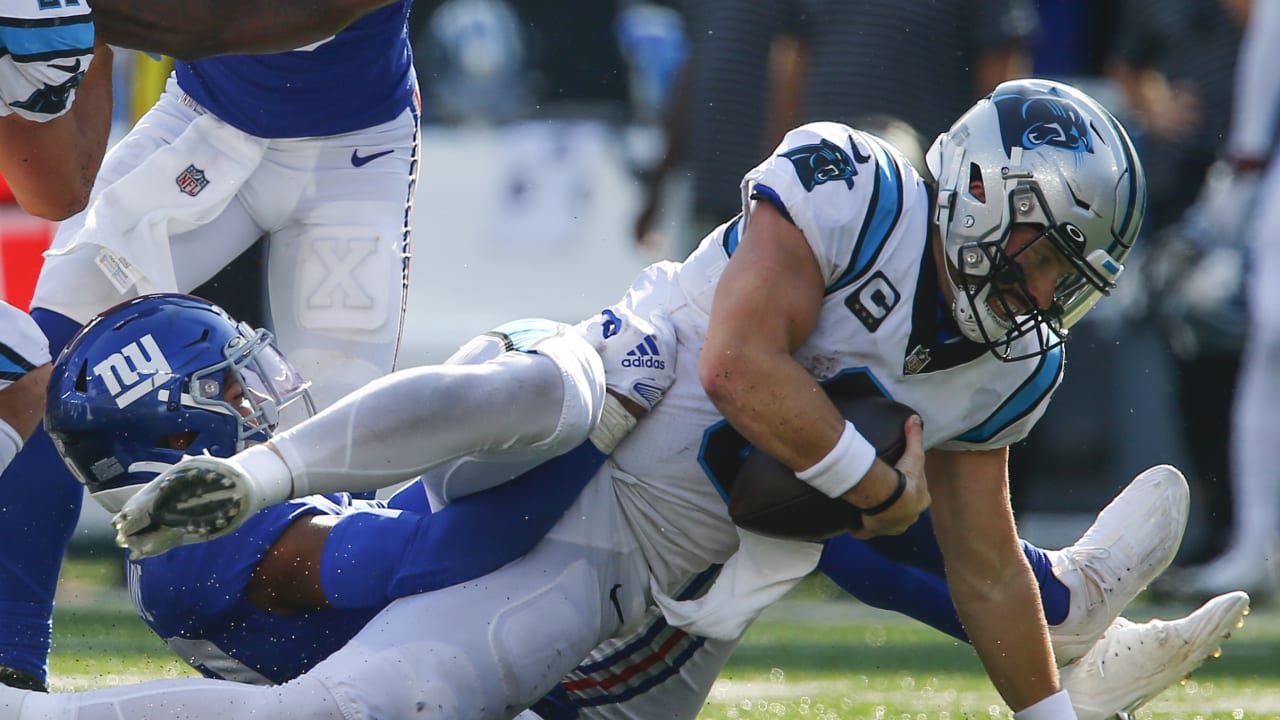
pixel 766 305
pixel 994 591
pixel 192 29
pixel 51 165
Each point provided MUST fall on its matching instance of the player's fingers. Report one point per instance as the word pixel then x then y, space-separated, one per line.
pixel 912 460
pixel 902 515
pixel 913 429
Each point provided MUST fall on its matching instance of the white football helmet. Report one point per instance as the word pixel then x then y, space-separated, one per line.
pixel 1048 155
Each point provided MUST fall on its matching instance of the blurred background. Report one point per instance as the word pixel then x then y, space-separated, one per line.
pixel 568 143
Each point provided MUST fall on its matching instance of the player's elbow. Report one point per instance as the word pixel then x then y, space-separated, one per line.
pixel 57 193
pixel 54 205
pixel 722 373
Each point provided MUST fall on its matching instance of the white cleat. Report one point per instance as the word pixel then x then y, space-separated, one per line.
pixel 1133 663
pixel 198 499
pixel 639 353
pixel 1133 540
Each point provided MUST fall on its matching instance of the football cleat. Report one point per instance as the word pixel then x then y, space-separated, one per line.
pixel 1133 663
pixel 1132 541
pixel 199 499
pixel 638 353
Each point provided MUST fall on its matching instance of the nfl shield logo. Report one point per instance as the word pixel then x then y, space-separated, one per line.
pixel 916 361
pixel 192 180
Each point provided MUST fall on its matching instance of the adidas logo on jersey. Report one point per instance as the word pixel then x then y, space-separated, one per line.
pixel 644 355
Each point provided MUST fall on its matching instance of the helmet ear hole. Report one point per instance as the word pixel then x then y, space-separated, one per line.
pixel 178 441
pixel 976 188
pixel 82 377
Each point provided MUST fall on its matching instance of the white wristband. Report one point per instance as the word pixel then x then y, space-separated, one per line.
pixel 615 423
pixel 270 473
pixel 1055 707
pixel 844 467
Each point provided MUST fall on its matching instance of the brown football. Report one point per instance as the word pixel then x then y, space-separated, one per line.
pixel 768 498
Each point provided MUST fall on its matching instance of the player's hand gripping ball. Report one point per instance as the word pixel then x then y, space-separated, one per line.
pixel 769 499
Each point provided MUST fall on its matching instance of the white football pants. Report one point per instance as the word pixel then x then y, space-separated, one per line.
pixel 338 234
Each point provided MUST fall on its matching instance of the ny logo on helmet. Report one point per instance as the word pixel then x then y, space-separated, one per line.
pixel 1030 120
pixel 137 369
pixel 823 162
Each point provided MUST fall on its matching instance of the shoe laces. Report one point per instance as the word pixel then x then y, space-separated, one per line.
pixel 1093 563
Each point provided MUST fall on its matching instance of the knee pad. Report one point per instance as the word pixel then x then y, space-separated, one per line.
pixel 340 279
pixel 337 302
pixel 581 372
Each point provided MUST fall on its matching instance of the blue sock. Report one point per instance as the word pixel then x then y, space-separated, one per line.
pixel 904 573
pixel 372 558
pixel 1054 596
pixel 38 513
pixel 917 547
pixel 884 583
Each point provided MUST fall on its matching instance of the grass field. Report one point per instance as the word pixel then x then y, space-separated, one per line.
pixel 813 656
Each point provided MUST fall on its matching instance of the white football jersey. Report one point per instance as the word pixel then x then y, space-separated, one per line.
pixel 865 212
pixel 45 48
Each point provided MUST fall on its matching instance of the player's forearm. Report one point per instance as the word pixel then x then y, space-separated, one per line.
pixel 401 425
pixel 191 29
pixel 51 165
pixel 772 401
pixel 92 111
pixel 765 307
pixel 991 584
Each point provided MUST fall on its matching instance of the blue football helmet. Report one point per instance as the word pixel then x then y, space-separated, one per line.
pixel 159 377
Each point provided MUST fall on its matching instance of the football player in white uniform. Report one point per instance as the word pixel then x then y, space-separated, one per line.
pixel 299 579
pixel 1040 197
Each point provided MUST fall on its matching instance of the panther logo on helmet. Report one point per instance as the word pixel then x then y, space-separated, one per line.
pixel 1031 121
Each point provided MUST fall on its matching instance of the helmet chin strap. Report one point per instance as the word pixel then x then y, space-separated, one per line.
pixel 973 318
pixel 114 499
pixel 944 161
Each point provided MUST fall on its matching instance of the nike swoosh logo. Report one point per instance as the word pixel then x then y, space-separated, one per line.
pixel 358 160
pixel 613 598
pixel 71 69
